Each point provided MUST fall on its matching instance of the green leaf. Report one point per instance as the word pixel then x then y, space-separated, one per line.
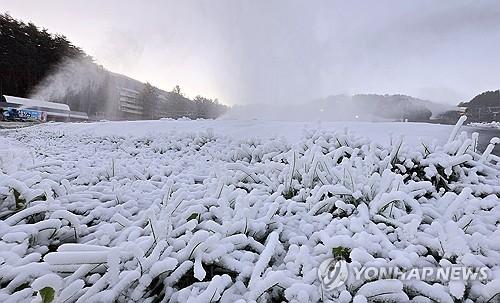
pixel 42 197
pixel 192 216
pixel 341 253
pixel 22 286
pixel 47 294
pixel 20 202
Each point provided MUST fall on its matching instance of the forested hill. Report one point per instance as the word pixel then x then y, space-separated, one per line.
pixel 485 99
pixel 29 54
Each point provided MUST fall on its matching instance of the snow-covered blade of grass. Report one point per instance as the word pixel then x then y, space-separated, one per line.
pixel 206 218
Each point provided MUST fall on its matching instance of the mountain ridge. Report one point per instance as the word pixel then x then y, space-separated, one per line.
pixel 364 107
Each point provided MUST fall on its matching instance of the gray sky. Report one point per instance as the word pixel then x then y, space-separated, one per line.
pixel 286 51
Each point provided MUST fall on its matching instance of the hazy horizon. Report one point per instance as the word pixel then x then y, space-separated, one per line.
pixel 286 51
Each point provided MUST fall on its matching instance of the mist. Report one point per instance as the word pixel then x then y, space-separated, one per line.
pixel 366 108
pixel 285 52
pixel 70 77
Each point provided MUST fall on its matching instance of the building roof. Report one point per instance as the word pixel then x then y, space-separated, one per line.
pixel 38 103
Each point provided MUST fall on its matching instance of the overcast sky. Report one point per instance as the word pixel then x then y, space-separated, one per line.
pixel 286 51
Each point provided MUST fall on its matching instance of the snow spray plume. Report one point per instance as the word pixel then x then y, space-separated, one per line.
pixel 71 77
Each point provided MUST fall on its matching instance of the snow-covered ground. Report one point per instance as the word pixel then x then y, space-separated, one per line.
pixel 243 211
pixel 381 132
pixel 486 124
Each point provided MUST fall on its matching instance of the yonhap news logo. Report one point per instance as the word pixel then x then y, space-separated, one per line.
pixel 334 273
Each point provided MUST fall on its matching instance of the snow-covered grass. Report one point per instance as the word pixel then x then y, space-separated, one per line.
pixel 486 124
pixel 381 132
pixel 214 215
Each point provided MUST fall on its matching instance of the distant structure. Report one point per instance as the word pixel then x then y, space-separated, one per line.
pixel 450 116
pixel 50 111
pixel 119 99
pixel 484 107
pixel 129 103
pixel 125 98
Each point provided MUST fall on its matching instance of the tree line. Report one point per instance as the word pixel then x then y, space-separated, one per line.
pixel 159 104
pixel 28 54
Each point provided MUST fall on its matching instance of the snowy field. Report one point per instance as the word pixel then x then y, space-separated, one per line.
pixel 493 124
pixel 243 211
pixel 414 133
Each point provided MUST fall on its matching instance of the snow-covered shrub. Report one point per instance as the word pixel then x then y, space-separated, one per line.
pixel 207 218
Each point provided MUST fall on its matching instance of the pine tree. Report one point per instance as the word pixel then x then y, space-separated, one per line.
pixel 149 100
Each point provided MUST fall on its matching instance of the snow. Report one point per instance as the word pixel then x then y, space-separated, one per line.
pixel 492 124
pixel 242 211
pixel 382 132
pixel 12 155
pixel 50 280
